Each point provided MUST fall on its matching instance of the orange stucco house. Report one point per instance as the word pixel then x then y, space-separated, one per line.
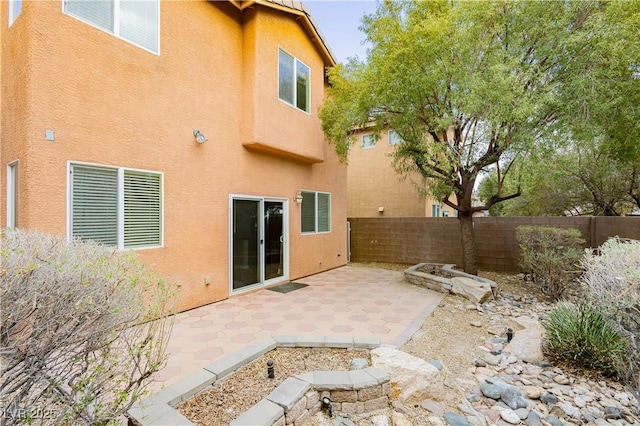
pixel 184 130
pixel 374 187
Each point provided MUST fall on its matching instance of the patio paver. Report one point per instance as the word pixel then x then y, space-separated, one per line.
pixel 344 302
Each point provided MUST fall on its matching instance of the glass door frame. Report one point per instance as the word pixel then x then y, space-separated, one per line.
pixel 261 231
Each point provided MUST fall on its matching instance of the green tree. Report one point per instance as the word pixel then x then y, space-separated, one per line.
pixel 580 179
pixel 466 85
pixel 601 91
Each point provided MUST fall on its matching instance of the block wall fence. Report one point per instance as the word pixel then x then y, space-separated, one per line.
pixel 413 240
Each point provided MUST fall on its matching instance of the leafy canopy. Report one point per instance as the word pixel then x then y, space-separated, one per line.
pixel 466 85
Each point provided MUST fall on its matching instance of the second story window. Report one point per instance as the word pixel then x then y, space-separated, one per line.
pixel 15 7
pixel 368 141
pixel 293 81
pixel 394 138
pixel 136 21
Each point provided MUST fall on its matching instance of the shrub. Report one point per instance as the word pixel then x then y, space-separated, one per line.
pixel 583 336
pixel 612 282
pixel 82 328
pixel 550 256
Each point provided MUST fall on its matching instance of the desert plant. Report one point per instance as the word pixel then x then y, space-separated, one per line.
pixel 583 336
pixel 550 256
pixel 612 282
pixel 82 328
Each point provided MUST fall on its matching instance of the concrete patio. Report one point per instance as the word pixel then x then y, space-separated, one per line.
pixel 347 301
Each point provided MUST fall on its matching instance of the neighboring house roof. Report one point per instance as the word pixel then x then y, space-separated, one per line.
pixel 298 9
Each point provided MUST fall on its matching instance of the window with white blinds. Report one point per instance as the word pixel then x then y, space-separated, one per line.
pixel 142 208
pixel 315 212
pixel 136 21
pixel 115 206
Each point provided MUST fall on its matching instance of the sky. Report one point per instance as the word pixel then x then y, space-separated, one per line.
pixel 339 22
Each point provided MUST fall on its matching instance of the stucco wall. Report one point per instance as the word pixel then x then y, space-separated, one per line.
pixel 372 182
pixel 112 103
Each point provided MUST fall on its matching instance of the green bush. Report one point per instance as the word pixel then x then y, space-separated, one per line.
pixel 583 336
pixel 550 256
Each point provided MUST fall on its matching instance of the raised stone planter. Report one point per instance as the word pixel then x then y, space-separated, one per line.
pixel 440 278
pixel 299 398
pixel 295 398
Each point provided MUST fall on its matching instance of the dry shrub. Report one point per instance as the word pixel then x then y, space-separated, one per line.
pixel 550 256
pixel 82 327
pixel 612 282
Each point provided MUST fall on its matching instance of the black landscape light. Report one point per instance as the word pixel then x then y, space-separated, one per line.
pixel 326 405
pixel 270 370
pixel 509 334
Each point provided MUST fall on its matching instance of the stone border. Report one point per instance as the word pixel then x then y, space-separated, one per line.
pixel 159 407
pixel 298 398
pixel 441 284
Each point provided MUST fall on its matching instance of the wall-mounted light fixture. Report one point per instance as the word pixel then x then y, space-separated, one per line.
pixel 200 138
pixel 298 197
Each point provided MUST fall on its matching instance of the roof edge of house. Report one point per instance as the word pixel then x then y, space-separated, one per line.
pixel 304 17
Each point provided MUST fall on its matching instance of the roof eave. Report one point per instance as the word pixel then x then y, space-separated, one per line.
pixel 303 16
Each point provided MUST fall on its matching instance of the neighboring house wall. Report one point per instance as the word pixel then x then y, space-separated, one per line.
pixel 373 183
pixel 114 104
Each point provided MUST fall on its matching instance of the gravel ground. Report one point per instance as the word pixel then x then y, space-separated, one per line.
pixel 227 400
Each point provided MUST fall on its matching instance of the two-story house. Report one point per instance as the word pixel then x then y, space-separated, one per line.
pixel 374 187
pixel 184 130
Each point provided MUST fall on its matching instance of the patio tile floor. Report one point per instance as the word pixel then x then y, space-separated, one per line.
pixel 344 302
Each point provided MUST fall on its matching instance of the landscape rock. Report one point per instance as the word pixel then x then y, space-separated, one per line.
pixel 533 392
pixel 436 363
pixel 381 420
pixel 612 413
pixel 432 407
pixel 475 291
pixel 510 416
pixel 513 398
pixel 399 407
pixel 491 391
pixel 359 364
pixel 549 399
pixel 512 383
pixel 410 375
pixel 455 419
pixel 527 343
pixel 533 419
pixel 399 419
pixel 554 421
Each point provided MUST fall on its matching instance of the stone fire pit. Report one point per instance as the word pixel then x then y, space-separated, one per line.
pixel 443 277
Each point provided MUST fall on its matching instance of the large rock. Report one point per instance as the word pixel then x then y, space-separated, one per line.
pixel 527 343
pixel 475 291
pixel 410 376
pixel 399 419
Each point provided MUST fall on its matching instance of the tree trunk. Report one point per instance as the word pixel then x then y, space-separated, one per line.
pixel 467 240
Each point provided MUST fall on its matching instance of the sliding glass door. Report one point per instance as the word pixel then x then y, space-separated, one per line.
pixel 257 241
